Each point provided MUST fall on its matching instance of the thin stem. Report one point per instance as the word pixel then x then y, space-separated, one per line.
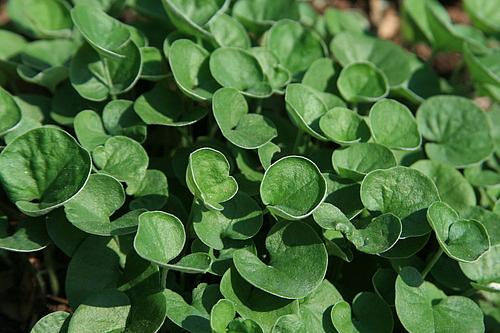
pixel 163 277
pixel 432 262
pixel 298 140
pixel 49 265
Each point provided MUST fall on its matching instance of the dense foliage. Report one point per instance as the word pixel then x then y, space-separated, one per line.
pixel 253 166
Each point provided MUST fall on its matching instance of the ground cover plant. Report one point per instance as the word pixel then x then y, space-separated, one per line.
pixel 249 166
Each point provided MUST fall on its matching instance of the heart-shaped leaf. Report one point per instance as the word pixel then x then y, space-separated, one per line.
pixel 124 159
pixel 160 237
pixel 236 68
pixel 361 82
pixel 392 124
pixel 227 31
pixel 62 167
pixel 249 131
pixel 422 307
pixel 277 75
pixel 458 128
pixel 369 314
pixel 293 187
pixel 89 129
pixel 189 63
pixel 291 246
pixel 215 186
pixel 403 192
pixel 355 161
pixel 344 126
pixel 462 240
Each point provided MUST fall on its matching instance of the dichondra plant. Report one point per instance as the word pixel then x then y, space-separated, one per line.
pixel 252 166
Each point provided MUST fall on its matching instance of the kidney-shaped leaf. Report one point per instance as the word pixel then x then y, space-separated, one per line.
pixel 239 69
pixel 403 192
pixel 392 124
pixel 458 128
pixel 293 187
pixel 189 63
pixel 344 126
pixel 241 218
pixel 298 261
pixel 42 169
pixel 207 177
pixel 423 308
pixel 362 82
pixel 160 237
pixel 355 161
pixel 249 131
pixel 461 239
pixel 369 314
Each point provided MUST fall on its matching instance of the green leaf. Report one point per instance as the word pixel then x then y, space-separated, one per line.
pixel 193 17
pixel 369 314
pixel 91 209
pixel 215 186
pixel 253 303
pixel 277 75
pixel 62 233
pixel 227 31
pixel 154 66
pixel 56 322
pixel 293 187
pixel 462 240
pixel 344 194
pixel 43 169
pixel 249 131
pixel 383 283
pixel 357 160
pixel 403 192
pixel 160 106
pixel 240 219
pixel 388 57
pixel 458 129
pixel 152 194
pixel 237 68
pixel 222 314
pixel 95 77
pixel 67 103
pixel 190 66
pixel 291 247
pixel 422 307
pixel 266 154
pixel 29 236
pixel 453 188
pixel 392 124
pixel 10 113
pixel 160 237
pixel 296 46
pixel 34 109
pixel 483 14
pixel 338 21
pixel 406 247
pixel 41 19
pixel 9 55
pixel 104 311
pixel 119 118
pixel 124 159
pixel 95 254
pixel 362 82
pixel 103 32
pixel 344 126
pixel 89 129
pixel 486 269
pixel 258 15
pixel 320 75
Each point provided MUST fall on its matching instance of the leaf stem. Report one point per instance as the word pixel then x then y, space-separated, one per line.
pixel 432 262
pixel 298 140
pixel 49 265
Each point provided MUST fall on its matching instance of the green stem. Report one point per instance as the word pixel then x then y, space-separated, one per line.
pixel 298 139
pixel 432 262
pixel 163 277
pixel 49 265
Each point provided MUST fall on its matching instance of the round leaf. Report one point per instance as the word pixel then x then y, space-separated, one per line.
pixel 403 192
pixel 119 118
pixel 362 82
pixel 458 128
pixel 344 126
pixel 227 31
pixel 152 193
pixel 239 69
pixel 291 247
pixel 357 160
pixel 89 129
pixel 249 131
pixel 160 237
pixel 293 187
pixel 42 169
pixel 392 124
